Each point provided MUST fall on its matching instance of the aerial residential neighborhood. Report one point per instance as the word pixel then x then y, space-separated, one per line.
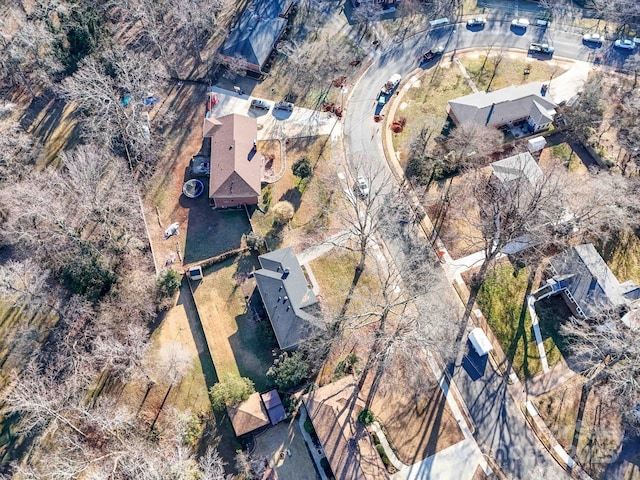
pixel 320 240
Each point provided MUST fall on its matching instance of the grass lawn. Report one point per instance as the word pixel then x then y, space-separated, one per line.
pixel 334 273
pixel 510 70
pixel 567 156
pixel 502 301
pixel 622 254
pixel 600 431
pixel 237 343
pixel 307 197
pixel 424 103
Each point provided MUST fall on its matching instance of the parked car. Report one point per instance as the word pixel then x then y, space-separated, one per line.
pixel 362 186
pixel 476 22
pixel 284 106
pixel 594 38
pixel 432 53
pixel 260 104
pixel 625 44
pixel 520 23
pixel 541 48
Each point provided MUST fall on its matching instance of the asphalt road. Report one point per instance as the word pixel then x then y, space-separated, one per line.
pixel 501 430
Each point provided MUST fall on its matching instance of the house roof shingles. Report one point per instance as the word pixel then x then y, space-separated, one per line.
pixel 249 415
pixel 591 282
pixel 274 406
pixel 256 32
pixel 516 166
pixel 333 410
pixel 285 294
pixel 235 167
pixel 503 106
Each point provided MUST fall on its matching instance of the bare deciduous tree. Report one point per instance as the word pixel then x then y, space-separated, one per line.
pixel 471 143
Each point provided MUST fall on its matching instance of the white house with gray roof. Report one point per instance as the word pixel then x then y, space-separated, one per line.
pixel 508 107
pixel 287 297
pixel 518 166
pixel 587 284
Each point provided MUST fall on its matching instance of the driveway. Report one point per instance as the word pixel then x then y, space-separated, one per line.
pixel 275 444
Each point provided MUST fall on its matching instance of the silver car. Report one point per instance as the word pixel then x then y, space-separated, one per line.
pixel 625 44
pixel 284 106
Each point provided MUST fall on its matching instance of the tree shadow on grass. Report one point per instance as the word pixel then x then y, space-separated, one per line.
pixel 293 196
pixel 195 325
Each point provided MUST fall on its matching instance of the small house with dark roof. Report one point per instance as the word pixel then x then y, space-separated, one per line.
pixel 273 404
pixel 587 284
pixel 249 415
pixel 235 168
pixel 287 297
pixel 506 107
pixel 516 167
pixel 257 411
pixel 256 33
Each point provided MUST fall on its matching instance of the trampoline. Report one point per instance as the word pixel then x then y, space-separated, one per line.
pixel 193 188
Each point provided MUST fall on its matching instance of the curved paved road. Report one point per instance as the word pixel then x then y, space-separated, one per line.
pixel 501 430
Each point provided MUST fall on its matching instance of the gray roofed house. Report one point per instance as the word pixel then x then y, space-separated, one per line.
pixel 287 297
pixel 587 284
pixel 505 107
pixel 517 166
pixel 257 32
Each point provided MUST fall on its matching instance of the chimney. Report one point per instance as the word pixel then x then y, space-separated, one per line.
pixel 285 274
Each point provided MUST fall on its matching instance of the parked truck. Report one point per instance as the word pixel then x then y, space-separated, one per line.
pixel 390 84
pixel 541 48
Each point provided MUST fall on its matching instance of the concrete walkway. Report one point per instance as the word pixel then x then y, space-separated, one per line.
pixel 466 76
pixel 312 448
pixel 391 455
pixel 323 247
pixel 536 331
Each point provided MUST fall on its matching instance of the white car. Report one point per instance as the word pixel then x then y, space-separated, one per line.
pixel 476 22
pixel 363 187
pixel 595 38
pixel 625 44
pixel 520 22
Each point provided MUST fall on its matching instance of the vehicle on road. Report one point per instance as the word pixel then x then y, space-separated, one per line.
pixel 480 342
pixel 431 54
pixel 288 106
pixel 391 84
pixel 476 22
pixel 520 23
pixel 593 38
pixel 362 186
pixel 624 44
pixel 541 48
pixel 260 104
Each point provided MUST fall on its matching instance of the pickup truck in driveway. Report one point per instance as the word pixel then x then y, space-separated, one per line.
pixel 541 49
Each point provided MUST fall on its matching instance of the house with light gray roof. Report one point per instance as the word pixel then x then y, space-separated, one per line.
pixel 516 167
pixel 506 107
pixel 287 297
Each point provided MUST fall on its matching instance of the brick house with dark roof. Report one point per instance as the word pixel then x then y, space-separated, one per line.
pixel 235 177
pixel 505 107
pixel 287 297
